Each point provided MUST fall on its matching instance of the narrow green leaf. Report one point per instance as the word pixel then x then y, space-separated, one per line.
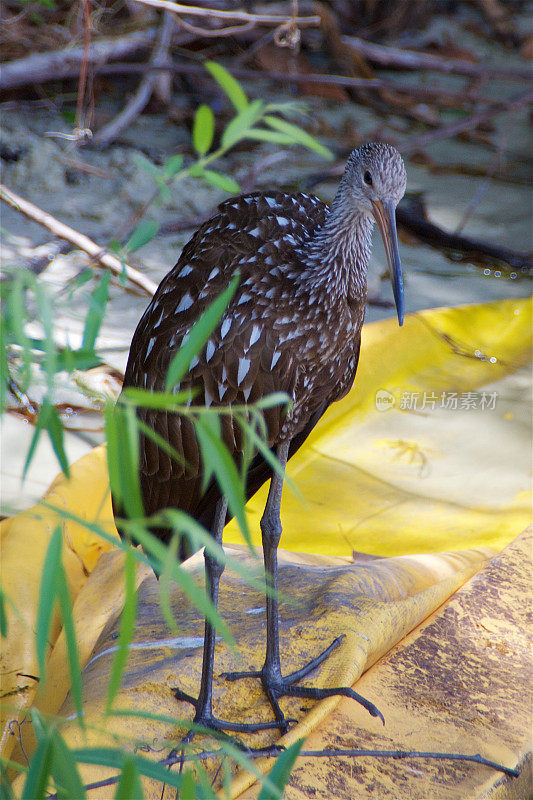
pixel 64 770
pixel 96 313
pixel 56 436
pixel 163 584
pixel 173 165
pixel 199 334
pixel 143 163
pixel 159 401
pixel 4 365
pixel 33 444
pixel 221 181
pixel 108 757
pixel 298 135
pixel 37 779
pixel 65 604
pixel 264 135
pixel 188 786
pixel 47 599
pixel 123 457
pixel 217 455
pixel 227 82
pixel 3 614
pixel 237 127
pixel 16 313
pixel 143 233
pixel 129 786
pixel 126 631
pixel 50 349
pixel 6 792
pixel 203 129
pixel 280 772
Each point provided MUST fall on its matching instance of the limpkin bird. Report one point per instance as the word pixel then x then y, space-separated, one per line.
pixel 292 326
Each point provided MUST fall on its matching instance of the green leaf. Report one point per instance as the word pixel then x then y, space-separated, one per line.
pixel 65 604
pixel 96 313
pixel 64 770
pixel 143 163
pixel 38 775
pixel 237 127
pixel 264 135
pixel 3 614
pixel 4 365
pixel 299 136
pixel 129 786
pixel 203 129
pixel 50 349
pixel 122 436
pixel 221 181
pixel 6 792
pixel 199 334
pixel 216 454
pixel 143 233
pixel 127 629
pixel 227 82
pixel 55 431
pixel 173 165
pixel 47 599
pixel 280 772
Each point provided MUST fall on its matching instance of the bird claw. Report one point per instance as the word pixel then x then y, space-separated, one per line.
pixel 276 686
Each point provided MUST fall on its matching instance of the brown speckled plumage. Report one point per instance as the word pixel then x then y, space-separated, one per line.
pixel 293 326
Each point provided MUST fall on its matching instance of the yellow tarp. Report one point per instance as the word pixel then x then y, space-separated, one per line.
pixel 396 481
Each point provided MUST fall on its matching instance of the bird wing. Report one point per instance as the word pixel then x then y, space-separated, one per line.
pixel 242 360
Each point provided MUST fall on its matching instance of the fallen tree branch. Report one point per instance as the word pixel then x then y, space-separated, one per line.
pixel 66 62
pixel 79 240
pixel 387 56
pixel 141 97
pixel 468 124
pixel 410 215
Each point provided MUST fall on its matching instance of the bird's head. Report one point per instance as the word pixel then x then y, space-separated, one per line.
pixel 374 182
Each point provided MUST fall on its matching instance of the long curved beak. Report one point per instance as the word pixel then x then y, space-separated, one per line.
pixel 385 216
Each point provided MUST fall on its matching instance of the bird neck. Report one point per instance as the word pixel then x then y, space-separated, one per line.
pixel 339 252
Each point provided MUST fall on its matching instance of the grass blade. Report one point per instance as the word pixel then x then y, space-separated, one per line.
pixel 37 779
pixel 216 454
pixel 64 770
pixel 200 333
pixel 142 234
pixel 65 604
pixel 47 599
pixel 221 181
pixel 126 631
pixel 95 316
pixel 129 785
pixel 280 772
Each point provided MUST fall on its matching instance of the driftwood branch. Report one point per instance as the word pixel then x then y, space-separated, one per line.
pixel 237 16
pixel 411 59
pixel 138 102
pixel 66 62
pixel 79 240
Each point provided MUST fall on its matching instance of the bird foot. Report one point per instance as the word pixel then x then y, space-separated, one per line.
pixel 276 686
pixel 205 719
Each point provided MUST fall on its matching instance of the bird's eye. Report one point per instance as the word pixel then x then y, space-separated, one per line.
pixel 367 177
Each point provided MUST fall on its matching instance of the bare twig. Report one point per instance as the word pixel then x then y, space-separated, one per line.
pixel 79 240
pixel 468 124
pixel 271 752
pixel 411 59
pixel 240 16
pixel 137 103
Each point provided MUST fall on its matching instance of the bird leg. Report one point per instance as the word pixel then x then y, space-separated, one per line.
pixel 274 684
pixel 204 711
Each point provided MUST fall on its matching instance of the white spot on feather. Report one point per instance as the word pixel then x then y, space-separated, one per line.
pixel 222 389
pixel 187 269
pixel 247 393
pixel 214 272
pixel 275 359
pixel 185 303
pixel 256 333
pixel 271 202
pixel 209 350
pixel 244 299
pixel 244 367
pixel 226 325
pixel 282 221
pixel 254 232
pixel 150 346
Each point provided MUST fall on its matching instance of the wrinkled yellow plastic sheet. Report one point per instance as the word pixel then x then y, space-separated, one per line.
pixel 392 482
